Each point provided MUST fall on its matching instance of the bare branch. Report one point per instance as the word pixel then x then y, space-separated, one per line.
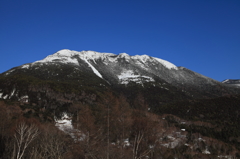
pixel 24 135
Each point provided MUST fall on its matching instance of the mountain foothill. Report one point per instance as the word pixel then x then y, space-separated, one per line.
pixel 102 105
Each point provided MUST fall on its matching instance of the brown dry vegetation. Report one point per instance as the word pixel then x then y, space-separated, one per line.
pixel 111 128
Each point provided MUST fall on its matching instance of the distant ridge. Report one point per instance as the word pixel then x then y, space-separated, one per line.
pixel 234 82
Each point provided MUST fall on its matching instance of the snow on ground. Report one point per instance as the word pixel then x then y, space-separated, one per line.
pixel 10 71
pixel 63 59
pixel 12 93
pixel 26 66
pixel 128 75
pixel 94 69
pixel 142 58
pixel 225 81
pixel 88 55
pixel 167 64
pixel 172 144
pixel 65 124
pixel 93 55
pixel 5 97
pixel 24 99
pixel 126 142
pixel 206 151
pixel 64 56
pixel 125 56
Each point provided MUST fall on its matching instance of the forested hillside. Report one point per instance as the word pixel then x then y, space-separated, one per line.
pixel 111 128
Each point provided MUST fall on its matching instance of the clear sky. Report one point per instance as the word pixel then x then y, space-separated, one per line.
pixel 201 35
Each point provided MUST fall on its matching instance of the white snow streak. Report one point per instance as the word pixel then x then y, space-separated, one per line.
pixel 94 69
pixel 5 97
pixel 12 93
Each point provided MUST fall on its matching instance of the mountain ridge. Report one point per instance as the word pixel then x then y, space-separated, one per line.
pixel 185 106
pixel 232 82
pixel 122 69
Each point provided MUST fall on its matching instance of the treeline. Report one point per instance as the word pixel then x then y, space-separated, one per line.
pixel 109 128
pixel 222 112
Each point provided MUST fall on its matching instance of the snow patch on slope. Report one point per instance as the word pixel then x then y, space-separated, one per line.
pixel 12 93
pixel 125 56
pixel 52 58
pixel 10 71
pixel 65 124
pixel 94 69
pixel 26 66
pixel 64 56
pixel 206 151
pixel 128 75
pixel 167 64
pixel 5 97
pixel 92 55
pixel 24 99
pixel 142 59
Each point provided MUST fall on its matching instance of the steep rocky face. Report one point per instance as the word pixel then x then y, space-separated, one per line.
pixel 69 74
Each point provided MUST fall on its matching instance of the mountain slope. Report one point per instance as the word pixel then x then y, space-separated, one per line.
pixel 72 76
pixel 186 112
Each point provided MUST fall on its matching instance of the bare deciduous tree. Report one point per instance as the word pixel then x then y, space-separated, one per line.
pixel 24 135
pixel 145 136
pixel 53 145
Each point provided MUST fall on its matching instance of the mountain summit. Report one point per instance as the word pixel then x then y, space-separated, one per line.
pixel 69 56
pixel 122 68
pixel 73 72
pixel 192 113
pixel 119 66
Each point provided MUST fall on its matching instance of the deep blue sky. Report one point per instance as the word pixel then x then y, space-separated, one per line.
pixel 201 35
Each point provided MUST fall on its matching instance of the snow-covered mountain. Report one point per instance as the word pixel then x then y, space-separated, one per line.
pixel 122 68
pixel 194 113
pixel 72 71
